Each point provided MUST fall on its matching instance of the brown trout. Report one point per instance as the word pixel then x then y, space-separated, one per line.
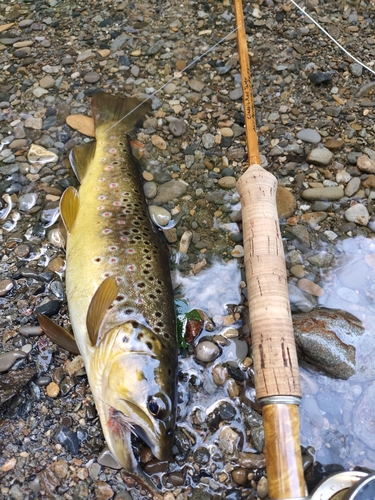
pixel 119 289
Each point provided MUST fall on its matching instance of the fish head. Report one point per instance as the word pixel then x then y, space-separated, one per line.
pixel 137 391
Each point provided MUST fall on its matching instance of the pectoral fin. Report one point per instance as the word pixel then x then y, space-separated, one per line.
pixel 100 303
pixel 69 206
pixel 57 334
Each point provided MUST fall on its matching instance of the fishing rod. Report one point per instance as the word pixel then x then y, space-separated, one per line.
pixel 276 371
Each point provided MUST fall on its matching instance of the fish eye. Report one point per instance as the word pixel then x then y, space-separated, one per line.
pixel 158 406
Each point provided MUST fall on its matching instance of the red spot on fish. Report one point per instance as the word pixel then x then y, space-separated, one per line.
pixel 120 222
pixel 101 179
pixel 139 301
pixel 130 250
pixel 107 214
pixel 102 197
pixel 113 137
pixel 100 207
pixel 126 193
pixel 120 279
pixel 106 275
pixel 131 267
pixel 103 160
pixel 107 230
pixel 108 167
pixel 113 151
pixel 116 203
pixel 113 185
pixel 112 248
pixel 113 260
pixel 123 238
pixel 96 188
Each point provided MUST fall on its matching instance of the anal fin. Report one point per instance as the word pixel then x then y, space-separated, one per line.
pixel 99 305
pixel 69 206
pixel 57 334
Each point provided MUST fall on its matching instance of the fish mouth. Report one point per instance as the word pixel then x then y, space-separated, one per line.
pixel 126 424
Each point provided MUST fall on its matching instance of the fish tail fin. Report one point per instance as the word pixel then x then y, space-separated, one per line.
pixel 110 111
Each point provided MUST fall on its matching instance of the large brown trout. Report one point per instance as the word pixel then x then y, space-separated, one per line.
pixel 119 290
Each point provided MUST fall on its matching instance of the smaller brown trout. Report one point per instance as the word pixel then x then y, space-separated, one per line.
pixel 119 289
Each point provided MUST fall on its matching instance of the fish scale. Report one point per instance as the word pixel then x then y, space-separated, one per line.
pixel 119 290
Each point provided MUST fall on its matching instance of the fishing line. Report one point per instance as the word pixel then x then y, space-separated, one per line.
pixel 175 76
pixel 331 37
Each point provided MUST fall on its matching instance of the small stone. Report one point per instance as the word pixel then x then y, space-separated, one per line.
pixel 159 215
pixel 76 367
pixel 8 465
pixel 237 252
pixel 53 390
pixel 228 440
pixel 334 144
pixel 87 54
pixel 262 487
pixel 106 459
pixel 309 135
pixel 310 287
pixel 286 202
pixel 6 286
pixel 170 190
pixel 227 182
pixel 150 189
pixel 67 438
pixel 185 241
pixel 177 127
pixel 358 213
pixel 207 351
pixel 226 132
pixel 35 123
pixel 343 177
pixel 82 123
pixel 233 388
pixel 158 142
pixel 313 218
pixel 297 271
pixel 320 157
pixel 352 186
pixel 39 154
pixel 7 359
pixel 170 88
pixel 220 375
pixel 239 476
pixel 92 77
pixel 103 491
pixel 319 77
pixel 369 182
pixel 324 193
pixel 57 265
pixel 365 164
pixel 356 69
pixel 235 94
pixel 22 53
pixel 208 141
pixel 38 92
pixel 196 85
pixel 47 82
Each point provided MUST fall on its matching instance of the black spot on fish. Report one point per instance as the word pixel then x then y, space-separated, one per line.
pixel 119 298
pixel 160 323
pixel 149 345
pixel 152 296
pixel 129 311
pixel 125 339
pixel 141 285
pixel 158 314
pixel 167 336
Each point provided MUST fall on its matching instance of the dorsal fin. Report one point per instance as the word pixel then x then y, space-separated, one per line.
pixel 100 303
pixel 108 109
pixel 69 206
pixel 57 334
pixel 80 157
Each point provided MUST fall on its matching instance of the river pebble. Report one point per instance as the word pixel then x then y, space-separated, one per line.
pixel 357 213
pixel 309 135
pixel 206 351
pixel 365 164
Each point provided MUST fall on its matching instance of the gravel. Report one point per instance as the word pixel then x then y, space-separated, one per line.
pixel 315 120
